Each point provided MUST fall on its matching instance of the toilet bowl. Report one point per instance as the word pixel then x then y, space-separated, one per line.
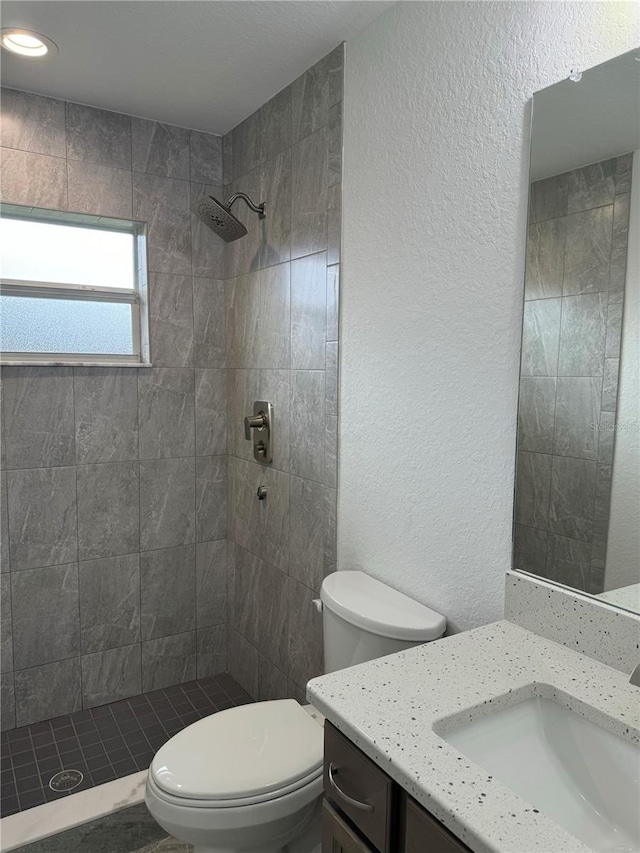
pixel 246 779
pixel 249 779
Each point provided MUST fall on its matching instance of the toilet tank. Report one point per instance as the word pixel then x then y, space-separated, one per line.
pixel 363 619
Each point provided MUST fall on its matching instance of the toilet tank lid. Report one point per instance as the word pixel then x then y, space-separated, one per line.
pixel 367 603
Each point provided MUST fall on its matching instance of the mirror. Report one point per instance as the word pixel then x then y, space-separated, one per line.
pixel 577 509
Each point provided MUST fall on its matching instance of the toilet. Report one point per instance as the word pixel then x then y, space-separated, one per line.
pixel 249 779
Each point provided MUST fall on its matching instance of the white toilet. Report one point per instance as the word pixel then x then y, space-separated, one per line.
pixel 249 779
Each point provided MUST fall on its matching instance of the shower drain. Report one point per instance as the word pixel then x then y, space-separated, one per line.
pixel 66 780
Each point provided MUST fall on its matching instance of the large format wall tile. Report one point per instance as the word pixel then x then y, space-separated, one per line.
pixel 111 675
pixel 89 416
pixel 163 203
pixel 109 603
pixel 310 194
pixel 610 384
pixel 275 125
pixel 246 145
pixel 46 617
pixel 545 259
pixel 333 299
pixel 7 701
pixel 272 615
pixel 548 198
pixel 308 312
pixel 308 425
pixel 592 186
pixel 541 337
pixel 314 92
pixel 275 192
pixel 211 583
pixel 572 497
pixel 99 190
pixel 306 542
pixel 168 587
pixel 569 561
pixel 167 503
pixel 576 417
pixel 206 158
pixel 4 525
pixel 304 646
pixel 48 691
pixel 530 549
pixel 108 510
pixel 211 650
pixel 33 179
pixel 582 335
pixel 33 123
pixel 536 411
pixel 171 320
pixel 166 401
pixel 6 627
pixel 274 534
pixel 38 416
pixel 42 517
pixel 272 347
pixel 106 414
pixel 211 412
pixel 533 489
pixel 98 136
pixel 588 251
pixel 168 660
pixel 159 149
pixel 211 498
pixel 244 579
pixel 209 324
pixel 242 307
pixel 245 514
pixel 243 662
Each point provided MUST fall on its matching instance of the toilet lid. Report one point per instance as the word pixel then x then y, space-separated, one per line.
pixel 242 752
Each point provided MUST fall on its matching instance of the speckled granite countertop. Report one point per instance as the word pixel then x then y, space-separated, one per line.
pixel 389 707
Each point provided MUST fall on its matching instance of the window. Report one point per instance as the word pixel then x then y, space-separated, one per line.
pixel 73 288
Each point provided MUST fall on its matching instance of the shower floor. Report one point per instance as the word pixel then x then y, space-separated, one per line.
pixel 104 743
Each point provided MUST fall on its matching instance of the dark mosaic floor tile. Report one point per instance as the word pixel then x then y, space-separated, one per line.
pixel 104 743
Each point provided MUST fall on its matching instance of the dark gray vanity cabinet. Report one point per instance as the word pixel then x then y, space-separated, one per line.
pixel 364 811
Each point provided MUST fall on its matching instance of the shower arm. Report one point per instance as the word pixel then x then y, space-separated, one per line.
pixel 259 209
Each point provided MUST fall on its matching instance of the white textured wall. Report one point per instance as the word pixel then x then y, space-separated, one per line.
pixel 623 551
pixel 435 188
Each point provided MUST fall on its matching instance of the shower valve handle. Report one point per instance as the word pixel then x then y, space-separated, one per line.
pixel 257 421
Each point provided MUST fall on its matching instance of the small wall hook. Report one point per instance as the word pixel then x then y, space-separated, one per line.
pixel 262 493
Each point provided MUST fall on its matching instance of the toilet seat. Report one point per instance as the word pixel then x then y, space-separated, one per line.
pixel 242 756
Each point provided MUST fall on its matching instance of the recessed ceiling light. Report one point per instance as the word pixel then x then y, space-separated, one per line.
pixel 26 42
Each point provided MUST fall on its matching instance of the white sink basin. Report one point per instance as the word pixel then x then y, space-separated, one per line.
pixel 578 774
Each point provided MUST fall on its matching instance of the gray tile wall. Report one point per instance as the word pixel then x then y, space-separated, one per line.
pixel 574 291
pixel 281 297
pixel 114 480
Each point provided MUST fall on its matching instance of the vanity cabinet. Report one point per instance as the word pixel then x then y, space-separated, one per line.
pixel 365 811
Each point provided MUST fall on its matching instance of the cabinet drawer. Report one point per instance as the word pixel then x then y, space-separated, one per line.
pixel 338 836
pixel 358 787
pixel 422 833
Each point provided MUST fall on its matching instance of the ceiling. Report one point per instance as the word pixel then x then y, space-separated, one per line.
pixel 204 65
pixel 597 117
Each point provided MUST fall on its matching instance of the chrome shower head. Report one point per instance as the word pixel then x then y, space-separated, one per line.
pixel 219 218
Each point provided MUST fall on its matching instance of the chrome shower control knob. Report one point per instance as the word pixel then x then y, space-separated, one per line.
pixel 262 493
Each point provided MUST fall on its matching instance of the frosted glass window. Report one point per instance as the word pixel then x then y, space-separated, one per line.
pixel 33 325
pixel 66 254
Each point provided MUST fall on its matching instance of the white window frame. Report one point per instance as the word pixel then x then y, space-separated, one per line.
pixel 137 298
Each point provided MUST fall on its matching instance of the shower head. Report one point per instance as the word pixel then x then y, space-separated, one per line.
pixel 219 218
